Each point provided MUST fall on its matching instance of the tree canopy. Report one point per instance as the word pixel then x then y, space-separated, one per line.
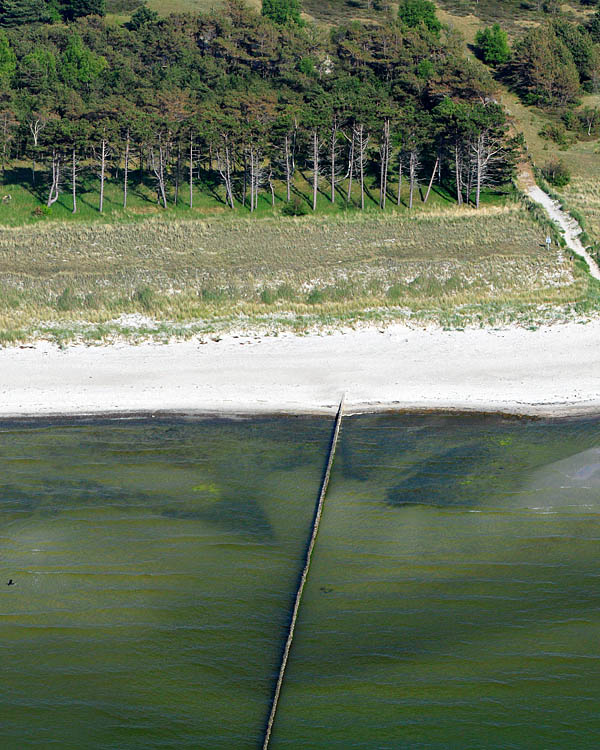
pixel 252 98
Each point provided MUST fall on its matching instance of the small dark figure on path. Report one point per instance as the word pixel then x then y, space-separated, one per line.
pixel 10 582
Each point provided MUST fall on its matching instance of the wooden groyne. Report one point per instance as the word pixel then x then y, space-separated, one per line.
pixel 304 576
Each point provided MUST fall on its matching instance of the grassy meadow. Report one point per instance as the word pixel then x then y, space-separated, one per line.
pixel 145 272
pixel 23 200
pixel 582 158
pixel 171 277
pixel 514 15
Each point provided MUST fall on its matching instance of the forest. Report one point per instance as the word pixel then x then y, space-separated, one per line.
pixel 233 103
pixel 237 104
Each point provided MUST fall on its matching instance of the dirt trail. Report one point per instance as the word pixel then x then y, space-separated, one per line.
pixel 571 229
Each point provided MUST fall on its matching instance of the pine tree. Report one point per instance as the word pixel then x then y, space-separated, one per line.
pixel 17 12
pixel 492 45
pixel 8 61
pixel 76 8
pixel 284 12
pixel 413 13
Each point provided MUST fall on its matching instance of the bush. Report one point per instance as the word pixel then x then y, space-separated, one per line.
pixel 296 207
pixel 315 297
pixel 268 296
pixel 557 173
pixel 145 297
pixel 284 12
pixel 492 45
pixel 413 13
pixel 66 301
pixel 395 292
pixel 142 17
pixel 284 291
pixel 555 131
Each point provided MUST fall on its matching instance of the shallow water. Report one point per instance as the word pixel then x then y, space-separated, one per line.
pixel 454 594
pixel 453 599
pixel 153 567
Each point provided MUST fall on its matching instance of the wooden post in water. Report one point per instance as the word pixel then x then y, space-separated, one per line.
pixel 304 576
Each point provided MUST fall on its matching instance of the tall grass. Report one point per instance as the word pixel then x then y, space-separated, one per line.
pixel 175 277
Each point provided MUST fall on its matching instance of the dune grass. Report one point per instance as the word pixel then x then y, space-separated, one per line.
pixel 68 280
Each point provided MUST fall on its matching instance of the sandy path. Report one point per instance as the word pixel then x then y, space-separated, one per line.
pixel 571 228
pixel 554 370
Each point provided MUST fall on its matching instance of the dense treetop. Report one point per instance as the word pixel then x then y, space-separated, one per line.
pixel 253 94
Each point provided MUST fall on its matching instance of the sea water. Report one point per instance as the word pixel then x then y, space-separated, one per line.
pixel 454 595
pixel 453 598
pixel 153 565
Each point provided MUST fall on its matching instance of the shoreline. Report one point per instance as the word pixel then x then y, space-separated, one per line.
pixel 553 371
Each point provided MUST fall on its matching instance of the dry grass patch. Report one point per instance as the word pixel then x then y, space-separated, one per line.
pixel 190 276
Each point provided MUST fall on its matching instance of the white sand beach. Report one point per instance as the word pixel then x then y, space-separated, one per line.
pixel 549 371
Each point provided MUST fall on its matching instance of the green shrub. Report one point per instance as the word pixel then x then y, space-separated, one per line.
pixel 492 45
pixel 66 301
pixel 296 207
pixel 268 296
pixel 286 292
pixel 557 173
pixel 555 131
pixel 212 294
pixel 143 16
pixel 315 296
pixel 145 297
pixel 395 293
pixel 284 12
pixel 413 13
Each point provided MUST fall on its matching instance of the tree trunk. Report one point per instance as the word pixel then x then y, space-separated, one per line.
pixel 437 161
pixel 245 184
pixel 458 173
pixel 288 170
pixel 469 186
pixel 251 180
pixel 126 171
pixel 480 147
pixel 361 164
pixel 412 167
pixel 385 157
pixel 227 167
pixel 333 145
pixel 272 187
pixel 350 168
pixel 74 180
pixel 35 127
pixel 191 171
pixel 102 173
pixel 4 142
pixel 177 172
pixel 399 201
pixel 55 186
pixel 315 168
pixel 161 181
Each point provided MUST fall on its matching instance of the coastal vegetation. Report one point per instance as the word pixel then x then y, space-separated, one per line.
pixel 238 105
pixel 182 277
pixel 247 166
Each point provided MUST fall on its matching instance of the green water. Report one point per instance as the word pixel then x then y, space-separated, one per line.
pixel 153 567
pixel 453 600
pixel 454 594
